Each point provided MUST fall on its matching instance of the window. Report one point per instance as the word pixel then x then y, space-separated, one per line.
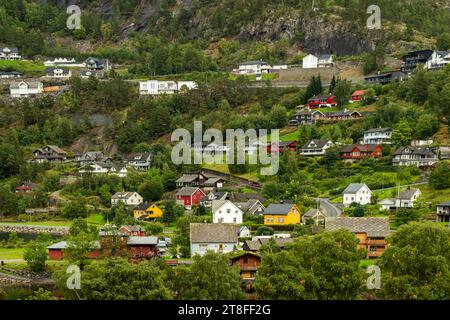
pixel 280 220
pixel 234 220
pixel 228 210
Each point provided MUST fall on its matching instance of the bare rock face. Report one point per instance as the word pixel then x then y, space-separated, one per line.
pixel 314 34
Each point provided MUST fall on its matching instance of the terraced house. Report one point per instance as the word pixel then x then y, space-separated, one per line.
pixel 281 214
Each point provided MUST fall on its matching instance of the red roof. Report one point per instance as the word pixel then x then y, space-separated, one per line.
pixel 359 93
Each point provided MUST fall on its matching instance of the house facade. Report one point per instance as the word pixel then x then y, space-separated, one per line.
pixel 282 146
pixel 317 61
pixel 414 58
pixel 357 96
pixel 281 214
pixel 322 101
pixel 248 263
pixel 421 157
pixel 156 87
pixel 49 153
pixel 378 136
pixel 25 89
pixel 58 73
pixel 131 199
pixel 92 63
pixel 357 193
pixel 10 53
pixel 438 59
pixel 316 147
pixel 254 67
pixel 146 211
pixel 216 237
pixel 405 199
pixel 91 157
pixel 363 151
pixel 385 77
pixel 10 74
pixel 443 212
pixel 225 211
pixel 189 196
pixel 343 115
pixel 306 117
pixel 139 161
pixel 371 232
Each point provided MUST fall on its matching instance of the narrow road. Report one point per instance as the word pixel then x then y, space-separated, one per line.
pixel 329 209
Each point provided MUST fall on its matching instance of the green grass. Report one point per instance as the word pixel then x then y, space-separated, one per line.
pixel 51 265
pixel 290 136
pixel 9 254
pixel 434 196
pixel 50 223
pixel 27 67
pixel 96 218
pixel 367 262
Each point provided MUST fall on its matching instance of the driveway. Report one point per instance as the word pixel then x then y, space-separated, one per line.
pixel 329 209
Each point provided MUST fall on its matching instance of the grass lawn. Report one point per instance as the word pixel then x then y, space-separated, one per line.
pixel 11 253
pixel 27 67
pixel 51 265
pixel 50 223
pixel 435 196
pixel 367 262
pixel 96 218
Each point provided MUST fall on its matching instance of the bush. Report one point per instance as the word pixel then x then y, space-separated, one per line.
pixel 265 231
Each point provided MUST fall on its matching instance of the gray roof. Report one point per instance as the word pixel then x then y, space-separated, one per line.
pixel 313 213
pixel 186 178
pixel 58 245
pixel 187 191
pixel 278 208
pixel 31 84
pixel 318 142
pixel 444 204
pixel 407 194
pixel 378 130
pixel 415 150
pixel 139 156
pixel 51 70
pixel 373 227
pixel 343 113
pixel 354 188
pixel 251 63
pixel 11 49
pixel 122 195
pixel 137 241
pixel 324 56
pixel 213 233
pixel 252 245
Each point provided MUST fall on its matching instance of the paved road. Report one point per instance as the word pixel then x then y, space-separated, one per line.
pixel 329 209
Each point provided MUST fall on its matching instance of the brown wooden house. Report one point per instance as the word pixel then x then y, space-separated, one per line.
pixel 248 263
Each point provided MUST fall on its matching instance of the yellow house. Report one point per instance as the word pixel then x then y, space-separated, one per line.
pixel 147 211
pixel 281 214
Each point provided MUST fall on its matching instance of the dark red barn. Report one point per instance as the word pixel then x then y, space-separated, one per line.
pixel 189 196
pixel 322 101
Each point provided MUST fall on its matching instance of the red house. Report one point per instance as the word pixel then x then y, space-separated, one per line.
pixel 56 251
pixel 358 95
pixel 322 101
pixel 356 152
pixel 189 196
pixel 142 247
pixel 26 187
pixel 282 146
pixel 132 231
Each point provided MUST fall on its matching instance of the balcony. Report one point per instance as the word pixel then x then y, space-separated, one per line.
pixel 376 242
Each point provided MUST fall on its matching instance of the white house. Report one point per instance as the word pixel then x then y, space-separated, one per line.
pixel 104 168
pixel 139 161
pixel 58 73
pixel 10 74
pixel 320 61
pixel 254 67
pixel 378 136
pixel 316 147
pixel 225 211
pixel 438 59
pixel 156 87
pixel 9 54
pixel 64 62
pixel 216 237
pixel 244 232
pixel 405 199
pixel 127 198
pixel 280 66
pixel 357 192
pixel 24 89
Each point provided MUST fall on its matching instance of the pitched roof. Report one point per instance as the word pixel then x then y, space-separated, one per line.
pixel 343 113
pixel 309 112
pixel 313 213
pixel 123 195
pixel 444 204
pixel 251 63
pixel 138 241
pixel 139 156
pixel 213 233
pixel 360 147
pixel 278 208
pixel 187 191
pixel 319 143
pixel 354 187
pixel 378 130
pixel 373 227
pixel 407 194
pixel 142 206
pixel 359 93
pixel 187 177
pixel 415 150
pixel 252 245
pixel 30 84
